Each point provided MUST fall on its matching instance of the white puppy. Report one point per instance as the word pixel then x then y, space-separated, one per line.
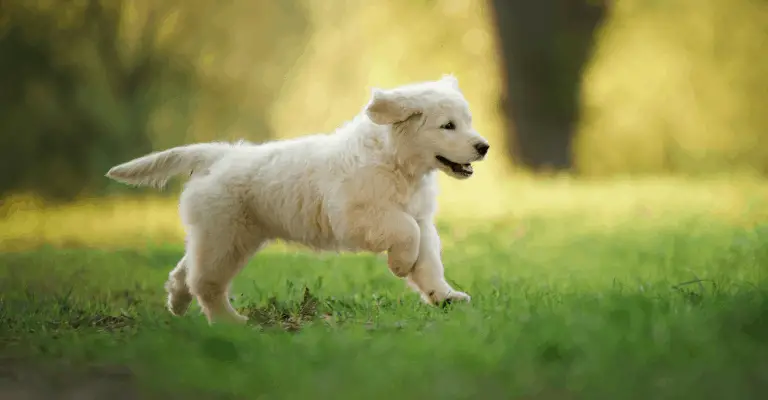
pixel 369 186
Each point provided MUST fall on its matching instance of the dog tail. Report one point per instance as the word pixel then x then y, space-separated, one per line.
pixel 156 168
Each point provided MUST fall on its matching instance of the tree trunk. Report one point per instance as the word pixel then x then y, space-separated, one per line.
pixel 544 44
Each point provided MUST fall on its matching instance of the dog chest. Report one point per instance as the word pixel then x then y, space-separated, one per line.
pixel 422 200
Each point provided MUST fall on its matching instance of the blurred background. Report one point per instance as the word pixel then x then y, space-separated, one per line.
pixel 580 88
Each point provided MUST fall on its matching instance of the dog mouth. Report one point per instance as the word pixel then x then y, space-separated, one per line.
pixel 458 169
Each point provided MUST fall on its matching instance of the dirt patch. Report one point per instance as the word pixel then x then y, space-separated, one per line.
pixel 19 380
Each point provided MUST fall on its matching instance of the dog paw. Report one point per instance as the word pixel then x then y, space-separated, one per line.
pixel 458 296
pixel 178 302
pixel 446 299
pixel 227 318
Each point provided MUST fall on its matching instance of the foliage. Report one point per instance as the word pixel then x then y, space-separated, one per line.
pixel 674 86
pixel 93 82
pixel 678 87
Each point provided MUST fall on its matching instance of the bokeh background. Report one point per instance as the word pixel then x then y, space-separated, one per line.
pixel 592 90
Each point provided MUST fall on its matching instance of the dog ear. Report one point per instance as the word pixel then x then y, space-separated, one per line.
pixel 388 107
pixel 451 80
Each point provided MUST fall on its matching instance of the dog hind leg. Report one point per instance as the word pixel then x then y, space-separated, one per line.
pixel 212 267
pixel 179 295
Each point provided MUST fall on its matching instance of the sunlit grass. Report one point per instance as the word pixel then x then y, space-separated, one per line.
pixel 595 206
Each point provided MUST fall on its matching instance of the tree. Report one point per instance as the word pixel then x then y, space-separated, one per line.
pixel 87 84
pixel 545 44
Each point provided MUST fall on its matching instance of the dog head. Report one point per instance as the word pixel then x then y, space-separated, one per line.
pixel 431 121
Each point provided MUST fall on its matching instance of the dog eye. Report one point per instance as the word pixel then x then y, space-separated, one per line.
pixel 450 126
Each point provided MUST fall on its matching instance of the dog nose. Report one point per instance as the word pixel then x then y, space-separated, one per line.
pixel 482 148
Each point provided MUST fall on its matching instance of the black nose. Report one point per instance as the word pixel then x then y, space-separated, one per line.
pixel 482 148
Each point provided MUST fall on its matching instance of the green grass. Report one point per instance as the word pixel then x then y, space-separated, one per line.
pixel 563 308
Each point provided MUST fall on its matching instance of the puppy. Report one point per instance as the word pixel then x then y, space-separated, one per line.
pixel 369 186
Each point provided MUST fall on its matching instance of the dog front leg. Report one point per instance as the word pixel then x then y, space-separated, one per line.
pixel 403 236
pixel 392 231
pixel 428 275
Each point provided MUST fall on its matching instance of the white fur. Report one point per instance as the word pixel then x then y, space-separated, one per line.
pixel 369 186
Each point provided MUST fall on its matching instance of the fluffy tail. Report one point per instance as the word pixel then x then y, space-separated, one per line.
pixel 156 168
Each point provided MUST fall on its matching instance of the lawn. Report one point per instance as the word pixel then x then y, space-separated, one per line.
pixel 629 290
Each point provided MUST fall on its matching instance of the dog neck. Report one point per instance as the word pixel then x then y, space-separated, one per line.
pixel 388 142
pixel 406 160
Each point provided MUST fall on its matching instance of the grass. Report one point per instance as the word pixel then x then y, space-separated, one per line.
pixel 605 299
